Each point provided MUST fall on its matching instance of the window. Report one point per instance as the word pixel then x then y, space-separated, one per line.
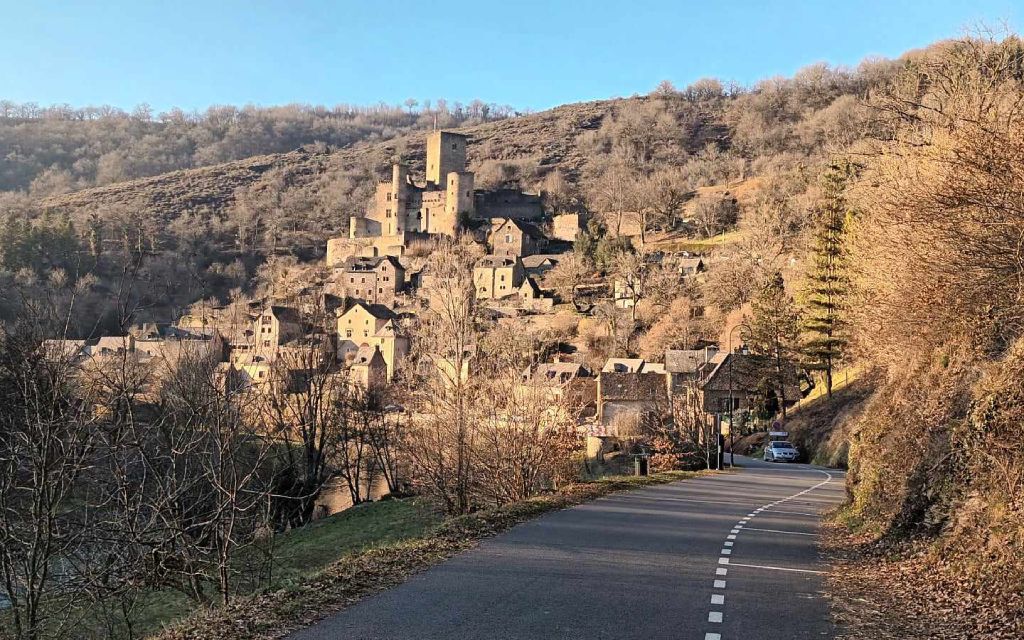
pixel 266 343
pixel 389 196
pixel 260 374
pixel 387 213
pixel 455 146
pixel 508 237
pixel 348 333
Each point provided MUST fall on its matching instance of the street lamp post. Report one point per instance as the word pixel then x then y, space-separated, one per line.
pixel 732 437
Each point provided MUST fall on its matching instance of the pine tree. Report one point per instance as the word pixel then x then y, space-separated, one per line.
pixel 774 331
pixel 827 281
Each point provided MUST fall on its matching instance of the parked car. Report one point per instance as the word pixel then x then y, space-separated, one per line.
pixel 780 450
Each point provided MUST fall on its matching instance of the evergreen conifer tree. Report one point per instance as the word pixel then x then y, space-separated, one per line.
pixel 827 281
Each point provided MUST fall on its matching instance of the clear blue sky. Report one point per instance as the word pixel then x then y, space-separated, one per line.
pixel 526 53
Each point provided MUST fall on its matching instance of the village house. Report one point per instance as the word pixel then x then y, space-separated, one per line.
pixel 374 280
pixel 371 325
pixel 567 226
pixel 263 338
pixel 627 402
pixel 567 384
pixel 687 367
pixel 511 237
pixel 537 265
pixel 495 277
pixel 690 266
pixel 368 369
pixel 741 378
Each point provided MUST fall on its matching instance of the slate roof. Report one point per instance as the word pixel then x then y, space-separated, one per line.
pixel 687 360
pixel 369 263
pixel 492 261
pixel 379 311
pixel 541 260
pixel 642 387
pixel 632 365
pixel 748 370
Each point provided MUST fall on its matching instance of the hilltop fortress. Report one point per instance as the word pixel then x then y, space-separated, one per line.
pixel 404 210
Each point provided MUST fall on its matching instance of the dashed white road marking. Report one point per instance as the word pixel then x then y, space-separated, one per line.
pixel 719 599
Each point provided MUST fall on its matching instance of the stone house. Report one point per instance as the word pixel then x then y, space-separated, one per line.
pixel 371 325
pixel 495 277
pixel 374 280
pixel 628 402
pixel 567 226
pixel 368 368
pixel 537 265
pixel 741 378
pixel 270 329
pixel 687 367
pixel 511 237
pixel 569 385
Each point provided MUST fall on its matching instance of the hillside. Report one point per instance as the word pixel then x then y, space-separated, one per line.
pixel 551 138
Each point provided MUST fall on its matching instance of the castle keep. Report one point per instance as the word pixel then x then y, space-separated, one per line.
pixel 404 210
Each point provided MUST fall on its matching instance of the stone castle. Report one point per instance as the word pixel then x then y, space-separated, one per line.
pixel 404 210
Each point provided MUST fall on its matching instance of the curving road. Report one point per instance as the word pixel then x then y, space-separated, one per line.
pixel 723 557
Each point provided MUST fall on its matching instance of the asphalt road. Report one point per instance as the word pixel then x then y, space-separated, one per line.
pixel 651 564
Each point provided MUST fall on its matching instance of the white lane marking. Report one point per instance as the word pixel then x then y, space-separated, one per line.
pixel 719 599
pixel 792 533
pixel 796 513
pixel 761 566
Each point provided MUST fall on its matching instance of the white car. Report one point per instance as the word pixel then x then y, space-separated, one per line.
pixel 780 451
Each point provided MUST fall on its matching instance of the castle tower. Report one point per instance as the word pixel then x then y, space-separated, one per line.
pixel 395 225
pixel 446 153
pixel 458 199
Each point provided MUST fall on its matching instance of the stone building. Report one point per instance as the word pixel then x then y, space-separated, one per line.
pixel 263 338
pixel 404 210
pixel 375 280
pixel 371 325
pixel 628 403
pixel 368 368
pixel 511 237
pixel 498 276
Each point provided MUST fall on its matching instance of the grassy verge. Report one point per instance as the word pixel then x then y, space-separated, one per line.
pixel 360 570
